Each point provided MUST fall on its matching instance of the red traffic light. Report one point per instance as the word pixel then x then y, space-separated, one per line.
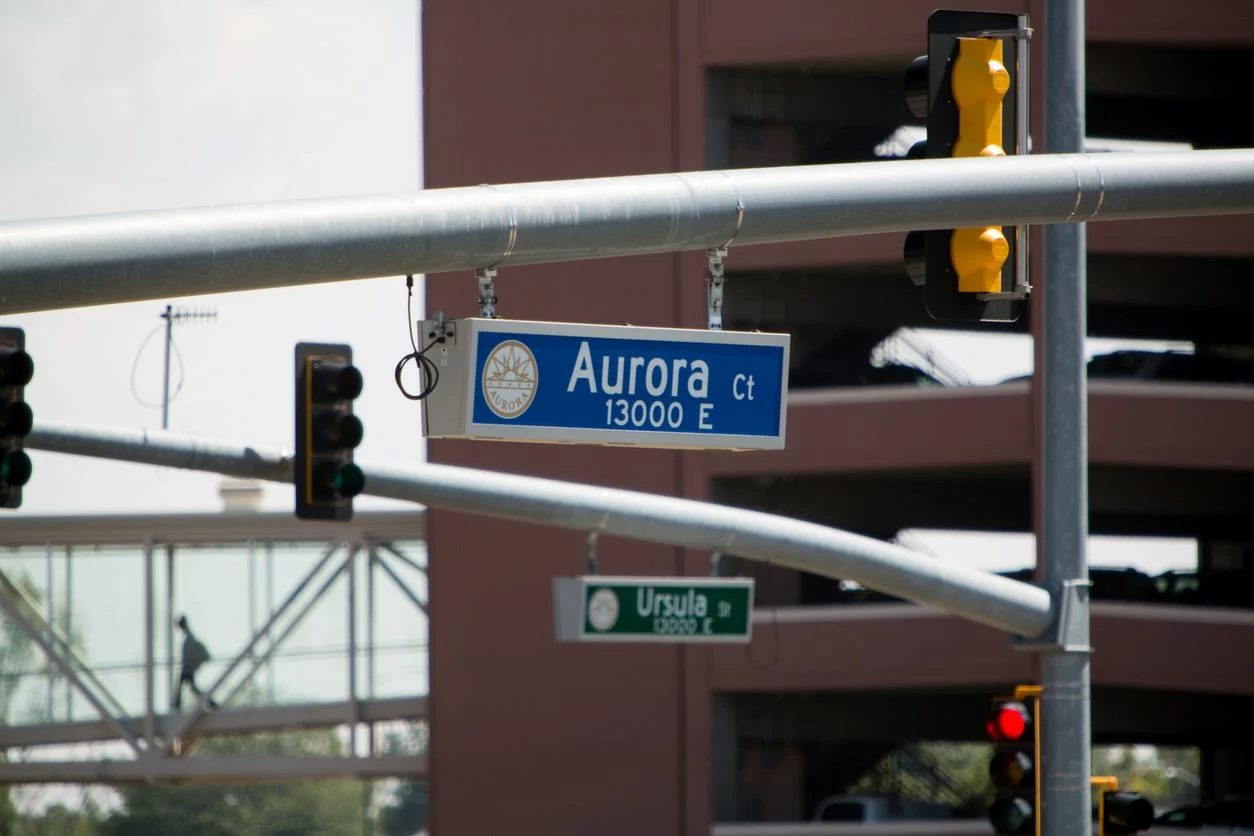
pixel 1010 721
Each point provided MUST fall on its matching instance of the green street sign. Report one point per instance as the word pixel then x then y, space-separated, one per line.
pixel 598 608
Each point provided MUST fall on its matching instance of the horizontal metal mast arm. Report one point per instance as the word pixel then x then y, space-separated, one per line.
pixel 979 596
pixel 73 262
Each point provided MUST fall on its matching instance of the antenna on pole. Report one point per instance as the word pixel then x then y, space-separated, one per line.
pixel 170 315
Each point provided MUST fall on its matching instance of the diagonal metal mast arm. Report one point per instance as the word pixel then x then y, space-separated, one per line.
pixel 980 596
pixel 72 262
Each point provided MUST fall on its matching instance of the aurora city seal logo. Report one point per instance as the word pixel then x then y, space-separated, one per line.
pixel 603 609
pixel 510 378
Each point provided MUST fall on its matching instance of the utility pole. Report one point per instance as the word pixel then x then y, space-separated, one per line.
pixel 170 315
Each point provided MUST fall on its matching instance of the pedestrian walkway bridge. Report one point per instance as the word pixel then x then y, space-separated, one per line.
pixel 309 626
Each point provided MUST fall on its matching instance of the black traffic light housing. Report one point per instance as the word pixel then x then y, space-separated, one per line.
pixel 1124 811
pixel 327 432
pixel 16 418
pixel 971 90
pixel 1015 769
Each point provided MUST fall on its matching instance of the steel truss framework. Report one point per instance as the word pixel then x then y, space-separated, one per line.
pixel 160 744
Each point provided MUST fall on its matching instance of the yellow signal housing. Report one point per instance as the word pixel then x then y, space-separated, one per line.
pixel 980 82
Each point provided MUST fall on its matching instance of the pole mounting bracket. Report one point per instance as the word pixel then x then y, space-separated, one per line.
pixel 1068 633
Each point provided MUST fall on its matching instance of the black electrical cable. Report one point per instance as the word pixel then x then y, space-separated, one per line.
pixel 427 371
pixel 178 356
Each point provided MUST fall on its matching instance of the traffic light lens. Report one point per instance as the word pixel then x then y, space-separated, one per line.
pixel 350 431
pixel 1009 721
pixel 1010 770
pixel 349 481
pixel 335 381
pixel 1011 815
pixel 16 418
pixel 342 480
pixel 349 383
pixel 333 431
pixel 15 469
pixel 16 369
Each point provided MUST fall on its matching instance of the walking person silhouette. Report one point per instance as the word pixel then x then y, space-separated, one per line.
pixel 195 654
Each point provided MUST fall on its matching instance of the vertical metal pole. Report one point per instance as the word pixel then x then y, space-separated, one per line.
pixel 168 316
pixel 269 614
pixel 368 787
pixel 69 636
pixel 353 712
pixel 171 677
pixel 150 723
pixel 51 614
pixel 252 587
pixel 1065 704
pixel 372 558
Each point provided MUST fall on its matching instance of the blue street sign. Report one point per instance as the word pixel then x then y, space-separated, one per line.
pixel 611 384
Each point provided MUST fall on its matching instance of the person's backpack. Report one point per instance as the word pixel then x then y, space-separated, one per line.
pixel 196 653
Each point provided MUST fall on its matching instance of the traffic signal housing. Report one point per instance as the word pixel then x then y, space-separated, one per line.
pixel 970 88
pixel 16 418
pixel 1121 811
pixel 1014 728
pixel 327 432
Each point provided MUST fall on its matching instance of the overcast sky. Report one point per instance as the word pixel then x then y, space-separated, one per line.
pixel 148 104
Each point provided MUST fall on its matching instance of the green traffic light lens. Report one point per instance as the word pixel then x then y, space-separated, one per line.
pixel 349 481
pixel 15 469
pixel 1011 815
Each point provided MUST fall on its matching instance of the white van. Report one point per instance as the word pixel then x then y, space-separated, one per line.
pixel 877 808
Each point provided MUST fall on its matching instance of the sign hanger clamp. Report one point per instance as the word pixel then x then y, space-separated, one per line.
pixel 486 276
pixel 714 276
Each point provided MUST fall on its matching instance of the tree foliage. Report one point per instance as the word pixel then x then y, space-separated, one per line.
pixel 949 773
pixel 957 773
pixel 406 812
pixel 1166 775
pixel 17 652
pixel 58 820
pixel 296 809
